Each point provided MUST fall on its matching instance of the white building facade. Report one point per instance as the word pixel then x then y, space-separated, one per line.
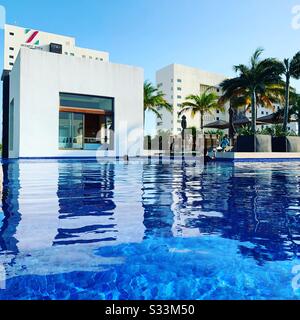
pixel 179 81
pixel 70 102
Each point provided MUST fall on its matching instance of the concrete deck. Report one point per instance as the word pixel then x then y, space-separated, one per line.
pixel 257 156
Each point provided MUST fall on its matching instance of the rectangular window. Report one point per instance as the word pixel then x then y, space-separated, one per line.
pixel 70 100
pixel 218 111
pixel 179 97
pixel 70 130
pixel 11 48
pixel 11 125
pixel 101 59
pixel 11 57
pixel 217 119
pixel 178 88
pixel 11 34
pixel 72 54
pixel 179 80
pixel 11 64
pixel 86 122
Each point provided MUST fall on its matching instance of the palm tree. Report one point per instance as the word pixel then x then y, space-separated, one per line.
pixel 204 103
pixel 154 99
pixel 255 84
pixel 291 69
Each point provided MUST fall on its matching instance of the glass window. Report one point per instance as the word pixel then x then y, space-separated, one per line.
pixel 179 80
pixel 70 130
pixel 11 125
pixel 11 34
pixel 11 48
pixel 11 64
pixel 11 57
pixel 82 127
pixel 86 102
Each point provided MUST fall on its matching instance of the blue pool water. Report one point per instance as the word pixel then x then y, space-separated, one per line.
pixel 89 230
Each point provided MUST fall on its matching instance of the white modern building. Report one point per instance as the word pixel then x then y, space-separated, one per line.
pixel 63 101
pixel 177 82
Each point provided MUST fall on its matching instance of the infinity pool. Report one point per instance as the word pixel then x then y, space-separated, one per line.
pixel 89 230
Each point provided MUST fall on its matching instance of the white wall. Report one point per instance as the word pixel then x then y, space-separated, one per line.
pixel 15 96
pixel 44 75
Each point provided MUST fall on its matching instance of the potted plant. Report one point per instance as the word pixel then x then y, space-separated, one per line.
pixel 248 141
pixel 284 141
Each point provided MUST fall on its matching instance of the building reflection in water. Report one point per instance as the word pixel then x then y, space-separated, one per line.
pixel 56 214
pixel 10 215
pixel 255 204
pixel 157 199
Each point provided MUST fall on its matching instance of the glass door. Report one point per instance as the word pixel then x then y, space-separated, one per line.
pixel 77 131
pixel 71 130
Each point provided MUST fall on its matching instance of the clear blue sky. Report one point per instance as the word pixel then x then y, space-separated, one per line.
pixel 211 35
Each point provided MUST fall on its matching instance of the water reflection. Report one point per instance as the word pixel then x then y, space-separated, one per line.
pixel 86 204
pixel 56 214
pixel 250 203
pixel 10 215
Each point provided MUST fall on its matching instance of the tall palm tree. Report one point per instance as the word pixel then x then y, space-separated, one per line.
pixel 290 68
pixel 204 103
pixel 154 99
pixel 255 83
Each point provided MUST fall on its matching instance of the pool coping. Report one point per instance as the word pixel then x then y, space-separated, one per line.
pixel 257 157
